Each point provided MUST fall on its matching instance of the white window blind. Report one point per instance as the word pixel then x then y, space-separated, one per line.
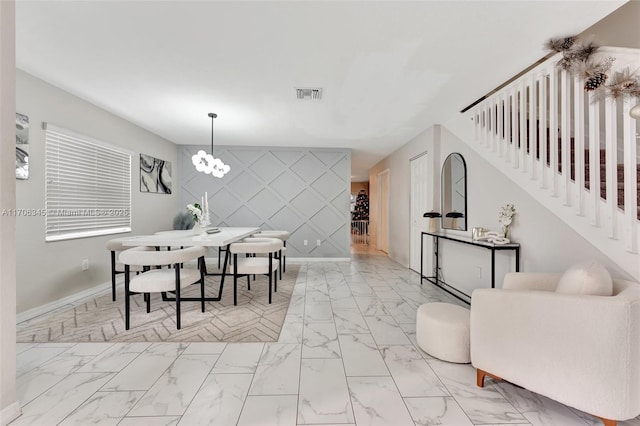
pixel 88 186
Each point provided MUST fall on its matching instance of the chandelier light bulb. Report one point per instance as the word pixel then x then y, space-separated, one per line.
pixel 635 112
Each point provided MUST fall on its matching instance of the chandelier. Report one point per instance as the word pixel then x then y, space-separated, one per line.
pixel 205 163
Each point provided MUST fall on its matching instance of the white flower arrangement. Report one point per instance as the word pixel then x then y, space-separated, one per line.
pixel 196 211
pixel 505 217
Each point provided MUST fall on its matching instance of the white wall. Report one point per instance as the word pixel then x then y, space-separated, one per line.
pixel 547 244
pixel 50 271
pixel 9 407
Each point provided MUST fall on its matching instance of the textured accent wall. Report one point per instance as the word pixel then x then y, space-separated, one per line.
pixel 302 190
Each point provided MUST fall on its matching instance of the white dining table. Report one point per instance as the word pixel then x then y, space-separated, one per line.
pixel 186 238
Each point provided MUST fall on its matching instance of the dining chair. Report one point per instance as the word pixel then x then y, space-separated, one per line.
pixel 255 265
pixel 115 247
pixel 282 255
pixel 162 280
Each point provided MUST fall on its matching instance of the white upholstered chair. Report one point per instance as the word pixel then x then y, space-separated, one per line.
pixel 255 265
pixel 115 247
pixel 282 255
pixel 162 280
pixel 580 350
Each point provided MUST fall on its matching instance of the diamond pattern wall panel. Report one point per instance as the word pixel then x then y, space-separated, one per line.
pixel 302 190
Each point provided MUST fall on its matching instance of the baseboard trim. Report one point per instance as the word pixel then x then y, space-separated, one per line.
pixel 10 413
pixel 65 302
pixel 317 259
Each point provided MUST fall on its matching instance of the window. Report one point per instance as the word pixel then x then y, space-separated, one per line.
pixel 88 186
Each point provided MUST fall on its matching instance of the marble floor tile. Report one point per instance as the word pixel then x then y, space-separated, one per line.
pixel 537 409
pixel 401 311
pixel 361 290
pixel 370 306
pixel 482 405
pixel 115 358
pixel 349 321
pixel 104 408
pixel 239 358
pixel 173 391
pixel 35 356
pixel 150 421
pixel 324 395
pixel 278 370
pixel 386 331
pixel 344 303
pixel 296 305
pixel 146 368
pixel 410 371
pixel 436 411
pixel 62 399
pixel 82 349
pixel 360 356
pixel 21 347
pixel 320 340
pixel 219 400
pixel 386 293
pixel 204 348
pixel 40 379
pixel 269 411
pixel 318 312
pixel 376 401
pixel 292 328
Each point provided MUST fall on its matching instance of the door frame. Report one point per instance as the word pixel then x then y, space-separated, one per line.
pixel 383 210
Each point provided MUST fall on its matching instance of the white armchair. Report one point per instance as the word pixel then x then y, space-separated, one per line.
pixel 582 351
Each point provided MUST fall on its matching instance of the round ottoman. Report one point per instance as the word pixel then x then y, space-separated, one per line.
pixel 442 330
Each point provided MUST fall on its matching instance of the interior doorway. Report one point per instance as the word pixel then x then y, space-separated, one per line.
pixel 383 211
pixel 359 214
pixel 421 194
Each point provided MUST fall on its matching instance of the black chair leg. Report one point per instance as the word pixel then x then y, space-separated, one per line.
pixel 113 275
pixel 126 297
pixel 235 279
pixel 248 282
pixel 202 284
pixel 177 267
pixel 280 264
pixel 147 298
pixel 270 275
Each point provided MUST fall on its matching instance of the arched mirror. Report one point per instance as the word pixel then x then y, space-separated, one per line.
pixel 454 193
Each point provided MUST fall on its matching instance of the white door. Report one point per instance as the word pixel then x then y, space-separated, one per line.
pixel 421 196
pixel 383 211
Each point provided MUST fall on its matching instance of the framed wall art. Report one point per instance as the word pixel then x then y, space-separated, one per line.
pixel 155 175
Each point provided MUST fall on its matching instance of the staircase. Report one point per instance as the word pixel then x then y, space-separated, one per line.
pixel 570 125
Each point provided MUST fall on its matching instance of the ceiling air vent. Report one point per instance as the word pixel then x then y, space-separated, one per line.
pixel 311 93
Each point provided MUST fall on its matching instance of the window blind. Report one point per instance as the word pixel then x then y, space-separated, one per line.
pixel 88 186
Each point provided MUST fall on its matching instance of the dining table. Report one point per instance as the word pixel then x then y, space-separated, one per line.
pixel 217 237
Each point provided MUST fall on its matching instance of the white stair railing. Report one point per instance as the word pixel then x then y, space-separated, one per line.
pixel 544 124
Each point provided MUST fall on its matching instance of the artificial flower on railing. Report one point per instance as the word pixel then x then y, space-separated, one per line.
pixel 196 211
pixel 505 217
pixel 577 58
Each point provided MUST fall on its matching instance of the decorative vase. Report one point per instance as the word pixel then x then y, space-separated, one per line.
pixel 505 231
pixel 197 229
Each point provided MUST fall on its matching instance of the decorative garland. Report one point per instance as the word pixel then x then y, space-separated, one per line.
pixel 577 59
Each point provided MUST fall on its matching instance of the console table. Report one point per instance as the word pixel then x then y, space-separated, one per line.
pixel 463 240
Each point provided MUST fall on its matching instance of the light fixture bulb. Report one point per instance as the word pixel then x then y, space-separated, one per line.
pixel 635 112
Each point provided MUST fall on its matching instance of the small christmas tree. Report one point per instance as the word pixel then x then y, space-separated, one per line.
pixel 361 209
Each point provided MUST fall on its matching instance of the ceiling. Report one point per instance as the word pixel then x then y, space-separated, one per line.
pixel 388 70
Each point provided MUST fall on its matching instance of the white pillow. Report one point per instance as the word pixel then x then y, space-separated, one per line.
pixel 590 278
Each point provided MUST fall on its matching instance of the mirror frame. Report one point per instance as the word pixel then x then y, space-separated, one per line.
pixel 443 180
